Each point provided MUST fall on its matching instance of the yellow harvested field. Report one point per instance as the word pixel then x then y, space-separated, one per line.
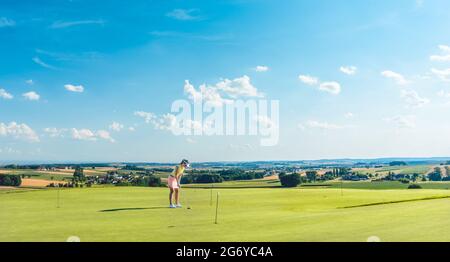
pixel 28 182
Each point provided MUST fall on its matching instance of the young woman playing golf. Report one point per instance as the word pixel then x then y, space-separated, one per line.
pixel 174 183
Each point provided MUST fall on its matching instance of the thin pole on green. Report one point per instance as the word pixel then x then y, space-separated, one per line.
pixel 211 197
pixel 57 197
pixel 217 207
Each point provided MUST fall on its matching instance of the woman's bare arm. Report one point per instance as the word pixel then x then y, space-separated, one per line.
pixel 179 180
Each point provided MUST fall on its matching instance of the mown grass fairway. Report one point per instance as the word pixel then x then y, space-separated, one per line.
pixel 261 214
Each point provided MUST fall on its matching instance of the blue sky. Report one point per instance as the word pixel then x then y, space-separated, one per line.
pixel 354 78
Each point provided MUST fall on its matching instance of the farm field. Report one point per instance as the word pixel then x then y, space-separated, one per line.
pixel 275 183
pixel 257 214
pixel 419 169
pixel 47 174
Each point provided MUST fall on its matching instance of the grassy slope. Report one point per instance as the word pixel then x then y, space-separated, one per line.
pixel 420 169
pixel 140 214
pixel 47 175
pixel 258 183
pixel 381 185
pixel 37 175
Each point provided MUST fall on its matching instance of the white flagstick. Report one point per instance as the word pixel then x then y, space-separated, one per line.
pixel 217 207
pixel 57 197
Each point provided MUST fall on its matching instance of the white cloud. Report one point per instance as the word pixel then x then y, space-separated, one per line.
pixel 55 132
pixel 309 80
pixel 443 75
pixel 349 115
pixel 261 68
pixel 440 58
pixel 193 94
pixel 184 14
pixel 6 22
pixel 222 92
pixel 238 87
pixel 18 131
pixel 115 126
pixel 147 116
pixel 103 134
pixel 398 78
pixel 132 129
pixel 444 48
pixel 330 87
pixel 322 125
pixel 169 122
pixel 413 99
pixel 194 125
pixel 74 88
pixel 442 93
pixel 29 82
pixel 83 134
pixel 38 61
pixel 349 70
pixel 166 122
pixel 407 121
pixel 5 95
pixel 32 96
pixel 88 135
pixel 62 24
pixel 426 76
pixel 444 56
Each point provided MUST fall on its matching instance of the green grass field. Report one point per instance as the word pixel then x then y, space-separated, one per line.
pixel 258 214
pixel 38 175
pixel 46 175
pixel 379 185
pixel 419 169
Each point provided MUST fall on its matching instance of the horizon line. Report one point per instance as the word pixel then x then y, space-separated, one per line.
pixel 3 162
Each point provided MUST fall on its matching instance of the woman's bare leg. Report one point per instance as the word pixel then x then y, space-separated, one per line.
pixel 170 196
pixel 177 196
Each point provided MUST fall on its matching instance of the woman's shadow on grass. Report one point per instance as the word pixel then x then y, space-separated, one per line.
pixel 131 209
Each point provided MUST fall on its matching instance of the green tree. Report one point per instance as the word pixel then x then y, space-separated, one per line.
pixel 436 175
pixel 78 175
pixel 10 180
pixel 291 180
pixel 311 176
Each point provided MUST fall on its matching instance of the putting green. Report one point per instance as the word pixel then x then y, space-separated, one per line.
pixel 263 214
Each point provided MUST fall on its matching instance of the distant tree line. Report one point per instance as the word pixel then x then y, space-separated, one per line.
pixel 218 176
pixel 436 175
pixel 239 174
pixel 134 168
pixel 398 163
pixel 54 166
pixel 33 167
pixel 144 179
pixel 10 180
pixel 404 178
pixel 201 179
